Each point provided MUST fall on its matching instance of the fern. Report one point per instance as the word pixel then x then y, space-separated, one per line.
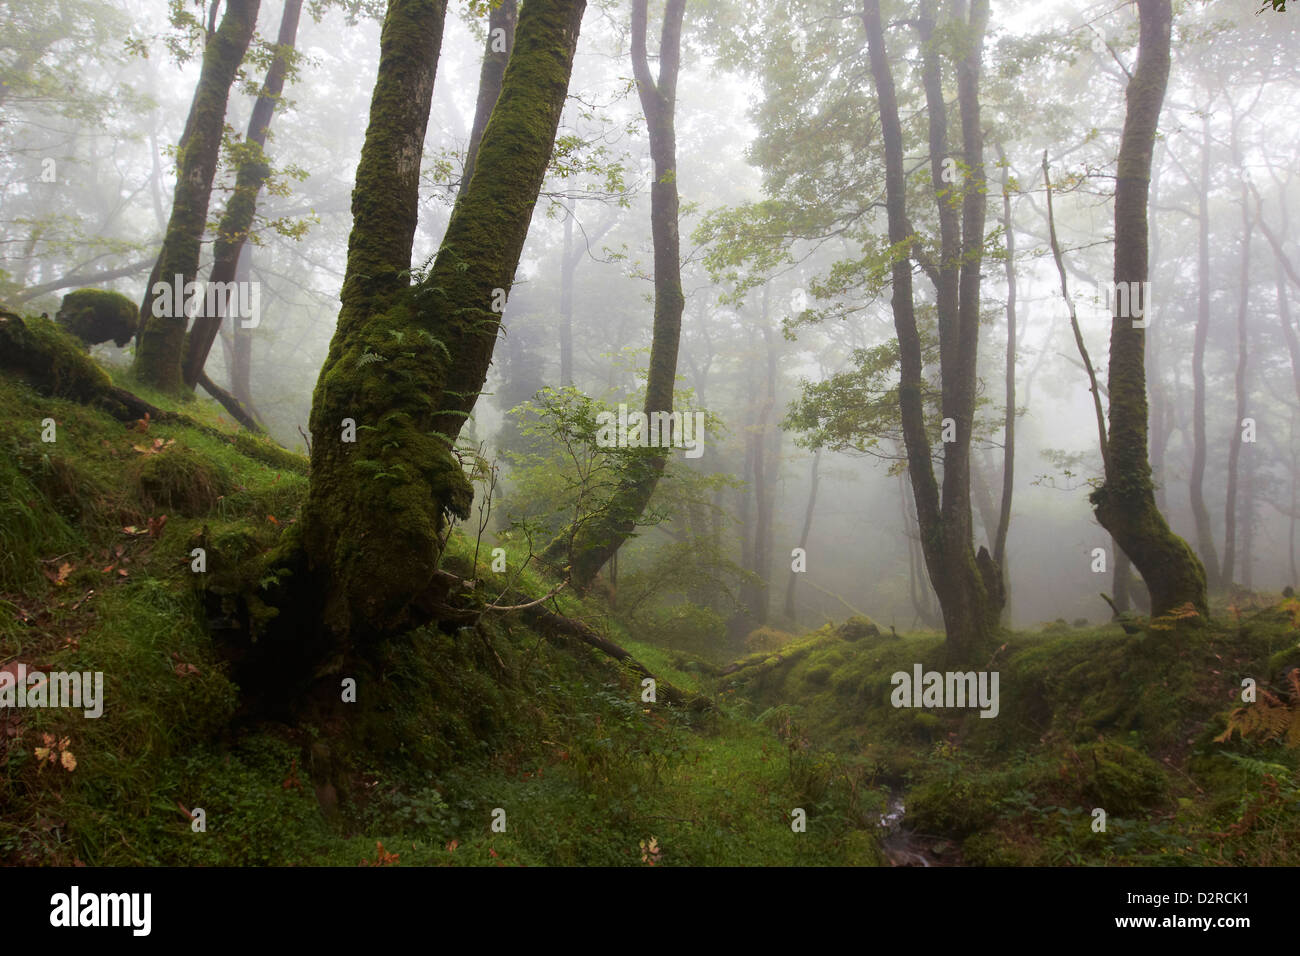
pixel 1269 718
pixel 437 343
pixel 369 358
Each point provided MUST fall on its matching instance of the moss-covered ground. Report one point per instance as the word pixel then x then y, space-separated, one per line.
pixel 457 728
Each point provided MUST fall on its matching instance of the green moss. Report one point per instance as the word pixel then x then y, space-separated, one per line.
pixel 1116 778
pixel 97 315
pixel 178 479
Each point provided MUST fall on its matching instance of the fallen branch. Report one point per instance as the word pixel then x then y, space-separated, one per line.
pixel 231 404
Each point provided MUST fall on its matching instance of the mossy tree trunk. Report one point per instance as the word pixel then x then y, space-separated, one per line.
pixel 496 53
pixel 407 361
pixel 968 585
pixel 1125 504
pixel 161 339
pixel 600 539
pixel 252 173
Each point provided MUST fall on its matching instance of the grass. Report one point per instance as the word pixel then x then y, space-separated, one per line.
pixel 496 745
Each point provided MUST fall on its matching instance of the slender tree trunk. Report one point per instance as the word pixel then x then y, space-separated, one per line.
pixel 251 176
pixel 602 538
pixel 161 338
pixel 968 585
pixel 568 264
pixel 1235 438
pixel 793 582
pixel 1009 419
pixel 1125 504
pixel 407 362
pixel 768 444
pixel 500 39
pixel 1201 514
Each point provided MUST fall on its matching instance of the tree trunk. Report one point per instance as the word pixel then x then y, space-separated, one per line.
pixel 1201 514
pixel 496 53
pixel 407 363
pixel 601 538
pixel 1120 581
pixel 1235 438
pixel 1009 419
pixel 251 176
pixel 769 442
pixel 968 585
pixel 568 264
pixel 1125 504
pixel 803 535
pixel 161 338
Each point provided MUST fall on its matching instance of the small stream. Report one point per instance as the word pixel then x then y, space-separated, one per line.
pixel 901 846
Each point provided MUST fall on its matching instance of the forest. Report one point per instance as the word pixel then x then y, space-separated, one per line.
pixel 692 433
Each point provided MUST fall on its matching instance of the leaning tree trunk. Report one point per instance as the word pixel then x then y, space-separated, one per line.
pixel 600 539
pixel 252 174
pixel 1125 503
pixel 407 362
pixel 161 338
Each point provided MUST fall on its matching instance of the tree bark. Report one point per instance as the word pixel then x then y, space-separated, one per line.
pixel 251 175
pixel 968 585
pixel 161 339
pixel 803 535
pixel 1204 532
pixel 1235 439
pixel 407 363
pixel 496 53
pixel 1125 504
pixel 1009 419
pixel 600 539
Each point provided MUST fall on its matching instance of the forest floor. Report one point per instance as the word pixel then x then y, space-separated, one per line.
pixel 498 745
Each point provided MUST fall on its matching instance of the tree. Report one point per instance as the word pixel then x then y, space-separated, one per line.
pixel 1125 502
pixel 599 540
pixel 408 360
pixel 967 585
pixel 161 339
pixel 251 176
pixel 500 39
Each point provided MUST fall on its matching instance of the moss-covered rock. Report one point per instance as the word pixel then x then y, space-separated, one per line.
pixel 98 315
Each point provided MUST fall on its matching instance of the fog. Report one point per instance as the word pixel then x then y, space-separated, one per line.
pixel 107 101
